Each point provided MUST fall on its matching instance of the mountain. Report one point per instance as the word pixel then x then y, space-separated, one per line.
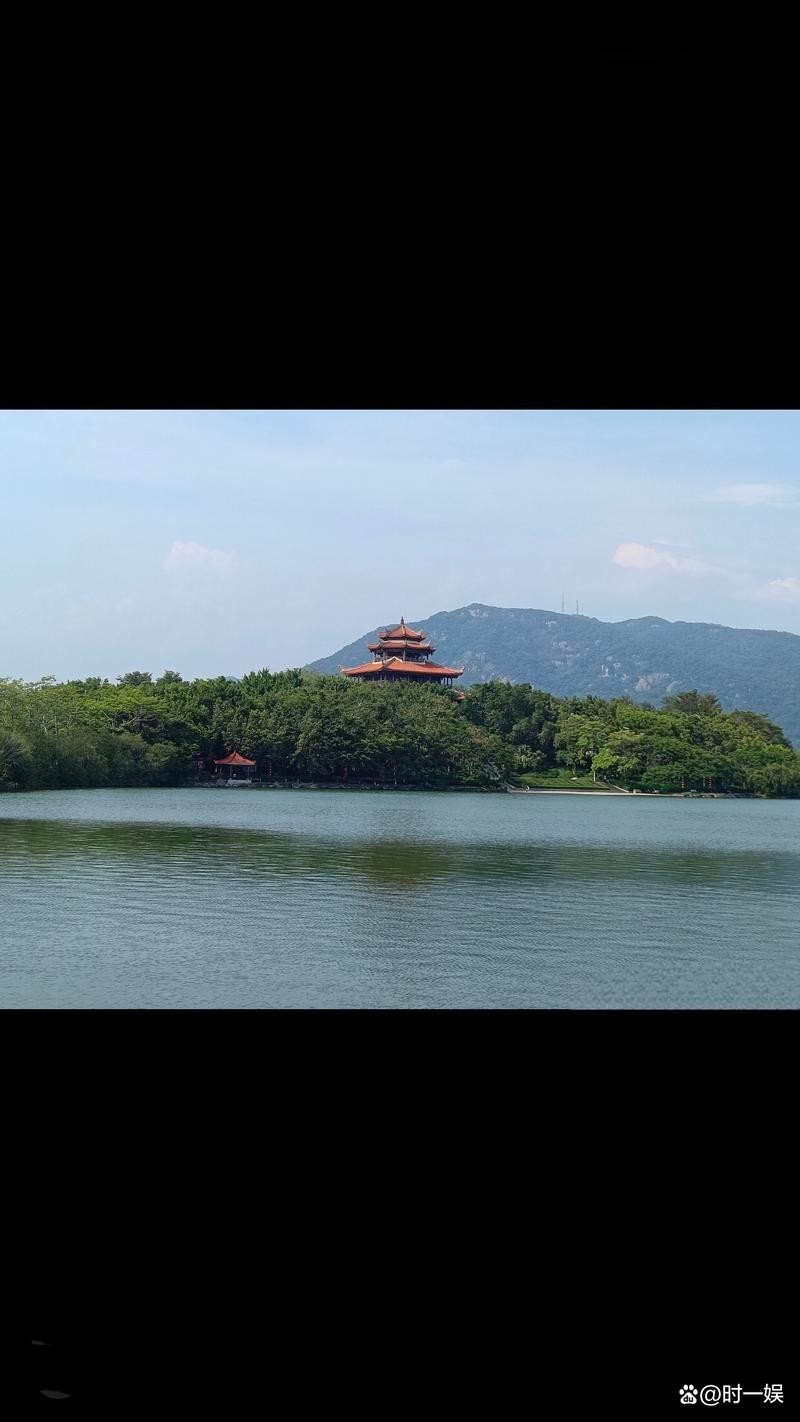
pixel 644 657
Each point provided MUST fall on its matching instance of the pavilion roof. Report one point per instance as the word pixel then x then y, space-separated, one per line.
pixel 399 644
pixel 234 759
pixel 402 631
pixel 396 664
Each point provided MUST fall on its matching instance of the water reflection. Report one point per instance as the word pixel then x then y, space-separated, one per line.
pixel 167 852
pixel 187 899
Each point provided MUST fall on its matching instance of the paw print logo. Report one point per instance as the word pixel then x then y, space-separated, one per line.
pixel 688 1393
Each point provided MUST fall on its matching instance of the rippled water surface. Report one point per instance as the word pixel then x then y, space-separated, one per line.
pixel 281 898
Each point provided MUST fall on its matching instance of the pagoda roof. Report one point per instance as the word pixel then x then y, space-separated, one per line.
pixel 234 759
pixel 397 664
pixel 402 631
pixel 399 644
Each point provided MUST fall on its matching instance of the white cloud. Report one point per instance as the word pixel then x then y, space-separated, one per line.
pixel 779 496
pixel 643 556
pixel 183 555
pixel 781 590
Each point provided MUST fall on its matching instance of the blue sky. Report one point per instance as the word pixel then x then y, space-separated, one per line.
pixel 221 541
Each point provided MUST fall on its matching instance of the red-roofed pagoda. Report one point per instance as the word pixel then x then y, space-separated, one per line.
pixel 401 654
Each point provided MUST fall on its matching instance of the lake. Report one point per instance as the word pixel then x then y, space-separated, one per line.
pixel 299 898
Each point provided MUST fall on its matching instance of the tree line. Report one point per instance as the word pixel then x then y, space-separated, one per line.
pixel 297 725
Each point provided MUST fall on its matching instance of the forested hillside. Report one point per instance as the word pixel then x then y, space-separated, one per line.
pixel 644 658
pixel 301 726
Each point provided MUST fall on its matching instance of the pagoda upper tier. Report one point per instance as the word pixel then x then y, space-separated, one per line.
pixel 404 640
pixel 402 653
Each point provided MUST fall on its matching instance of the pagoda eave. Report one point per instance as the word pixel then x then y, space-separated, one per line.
pixel 395 666
pixel 412 649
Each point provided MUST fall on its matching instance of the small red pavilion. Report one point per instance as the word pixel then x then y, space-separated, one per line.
pixel 231 769
pixel 402 654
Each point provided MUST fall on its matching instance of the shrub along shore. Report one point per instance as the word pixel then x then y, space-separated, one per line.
pixel 306 729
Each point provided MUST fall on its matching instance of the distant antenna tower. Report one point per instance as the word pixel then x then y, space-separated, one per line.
pixel 576 607
pixel 562 602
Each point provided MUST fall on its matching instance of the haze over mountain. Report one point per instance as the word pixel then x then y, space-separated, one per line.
pixel 644 658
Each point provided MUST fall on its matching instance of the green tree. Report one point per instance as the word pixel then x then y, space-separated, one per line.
pixel 762 726
pixel 15 759
pixel 135 678
pixel 166 764
pixel 692 703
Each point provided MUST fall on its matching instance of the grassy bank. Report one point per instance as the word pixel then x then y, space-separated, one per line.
pixel 560 778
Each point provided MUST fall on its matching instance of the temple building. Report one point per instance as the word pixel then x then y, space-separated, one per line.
pixel 401 654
